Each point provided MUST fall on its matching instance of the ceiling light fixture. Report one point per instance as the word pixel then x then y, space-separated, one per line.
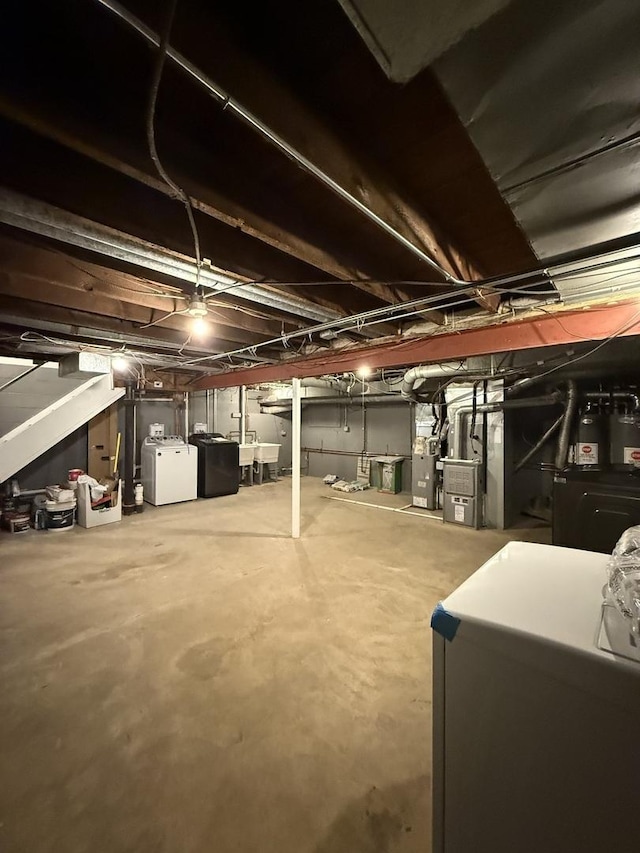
pixel 197 306
pixel 119 364
pixel 363 372
pixel 199 327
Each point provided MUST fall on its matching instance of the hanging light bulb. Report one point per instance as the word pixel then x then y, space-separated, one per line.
pixel 119 364
pixel 199 327
pixel 197 306
pixel 363 372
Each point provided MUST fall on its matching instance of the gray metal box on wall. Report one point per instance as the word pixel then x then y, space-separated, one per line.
pixel 424 476
pixel 462 492
pixel 84 364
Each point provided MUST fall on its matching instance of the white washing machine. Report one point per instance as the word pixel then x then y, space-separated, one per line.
pixel 169 470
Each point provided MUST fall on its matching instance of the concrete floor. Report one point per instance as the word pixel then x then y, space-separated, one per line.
pixel 192 680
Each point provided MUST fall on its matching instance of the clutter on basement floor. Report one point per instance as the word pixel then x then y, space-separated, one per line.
pixel 99 501
pixel 59 508
pixel 345 485
pixel 54 507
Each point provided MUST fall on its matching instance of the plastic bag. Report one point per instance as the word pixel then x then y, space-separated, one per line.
pixel 624 576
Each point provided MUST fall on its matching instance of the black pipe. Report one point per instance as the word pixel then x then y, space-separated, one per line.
pixel 536 447
pixel 345 400
pixel 614 395
pixel 129 502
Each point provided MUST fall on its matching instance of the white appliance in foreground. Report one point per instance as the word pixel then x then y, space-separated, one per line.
pixel 536 709
pixel 169 470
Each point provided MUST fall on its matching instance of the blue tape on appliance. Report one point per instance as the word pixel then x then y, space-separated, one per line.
pixel 444 623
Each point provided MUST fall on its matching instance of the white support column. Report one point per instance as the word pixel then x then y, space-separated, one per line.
pixel 295 459
pixel 242 401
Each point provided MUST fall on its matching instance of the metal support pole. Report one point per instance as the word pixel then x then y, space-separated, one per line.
pixel 243 413
pixel 207 410
pixel 129 502
pixel 214 414
pixel 186 415
pixel 295 459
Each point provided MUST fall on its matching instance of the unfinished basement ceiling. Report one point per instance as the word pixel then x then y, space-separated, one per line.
pixel 389 202
pixel 549 93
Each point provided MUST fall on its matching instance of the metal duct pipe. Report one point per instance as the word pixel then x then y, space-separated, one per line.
pixel 332 384
pixel 501 405
pixel 232 106
pixel 565 431
pixel 429 371
pixel 539 444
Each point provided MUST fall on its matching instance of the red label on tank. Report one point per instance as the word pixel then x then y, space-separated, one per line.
pixel 635 454
pixel 586 448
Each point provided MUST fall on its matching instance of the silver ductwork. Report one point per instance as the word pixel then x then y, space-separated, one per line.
pixel 414 377
pixel 567 422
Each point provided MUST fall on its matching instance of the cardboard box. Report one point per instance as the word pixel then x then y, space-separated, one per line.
pixel 104 514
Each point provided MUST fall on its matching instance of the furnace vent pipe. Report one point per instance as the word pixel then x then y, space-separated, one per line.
pixel 526 403
pixel 416 375
pixel 565 430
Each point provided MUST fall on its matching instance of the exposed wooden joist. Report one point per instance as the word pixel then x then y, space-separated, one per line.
pixel 20 312
pixel 254 85
pixel 117 154
pixel 123 158
pixel 22 289
pixel 90 281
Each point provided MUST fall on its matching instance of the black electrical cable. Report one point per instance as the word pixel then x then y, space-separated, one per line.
pixel 180 194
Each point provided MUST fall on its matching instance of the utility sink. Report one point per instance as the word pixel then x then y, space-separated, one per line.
pixel 265 452
pixel 246 454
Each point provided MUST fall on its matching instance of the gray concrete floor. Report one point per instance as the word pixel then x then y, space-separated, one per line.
pixel 192 680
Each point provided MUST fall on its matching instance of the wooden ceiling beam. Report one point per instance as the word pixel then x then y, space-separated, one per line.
pixel 40 301
pixel 124 159
pixel 254 85
pixel 53 267
pixel 116 154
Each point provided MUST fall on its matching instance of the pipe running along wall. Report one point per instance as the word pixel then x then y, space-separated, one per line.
pixel 502 405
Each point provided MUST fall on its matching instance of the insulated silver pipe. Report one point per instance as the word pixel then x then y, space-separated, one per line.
pixel 415 375
pixel 233 106
pixel 567 422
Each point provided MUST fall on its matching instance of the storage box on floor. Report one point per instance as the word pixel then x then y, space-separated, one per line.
pixel 59 508
pixel 95 514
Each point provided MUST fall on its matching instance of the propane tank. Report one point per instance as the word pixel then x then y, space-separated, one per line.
pixel 624 441
pixel 590 445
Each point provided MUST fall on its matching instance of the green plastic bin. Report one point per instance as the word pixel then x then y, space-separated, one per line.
pixel 389 479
